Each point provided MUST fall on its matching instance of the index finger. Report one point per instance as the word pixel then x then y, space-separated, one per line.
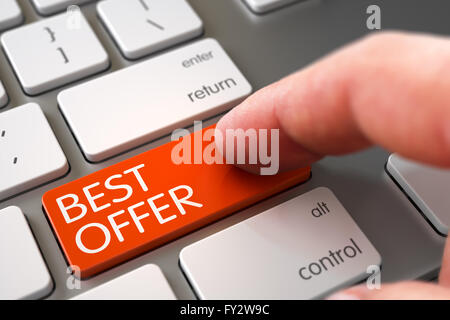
pixel 391 89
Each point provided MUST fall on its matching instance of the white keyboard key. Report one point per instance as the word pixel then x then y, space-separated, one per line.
pixel 144 283
pixel 143 102
pixel 3 96
pixel 262 6
pixel 29 152
pixel 47 7
pixel 305 248
pixel 23 272
pixel 426 186
pixel 10 14
pixel 141 27
pixel 55 53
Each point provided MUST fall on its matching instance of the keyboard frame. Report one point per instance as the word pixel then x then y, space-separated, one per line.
pixel 267 48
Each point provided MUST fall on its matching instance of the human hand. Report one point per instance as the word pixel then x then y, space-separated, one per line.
pixel 390 89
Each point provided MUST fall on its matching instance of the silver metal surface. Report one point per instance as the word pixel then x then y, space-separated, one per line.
pixel 265 48
pixel 426 186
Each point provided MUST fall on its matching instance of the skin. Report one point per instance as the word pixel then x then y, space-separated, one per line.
pixel 390 89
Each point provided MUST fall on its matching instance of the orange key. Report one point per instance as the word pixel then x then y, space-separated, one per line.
pixel 129 208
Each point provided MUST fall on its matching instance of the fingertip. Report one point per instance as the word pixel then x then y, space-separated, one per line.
pixel 258 112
